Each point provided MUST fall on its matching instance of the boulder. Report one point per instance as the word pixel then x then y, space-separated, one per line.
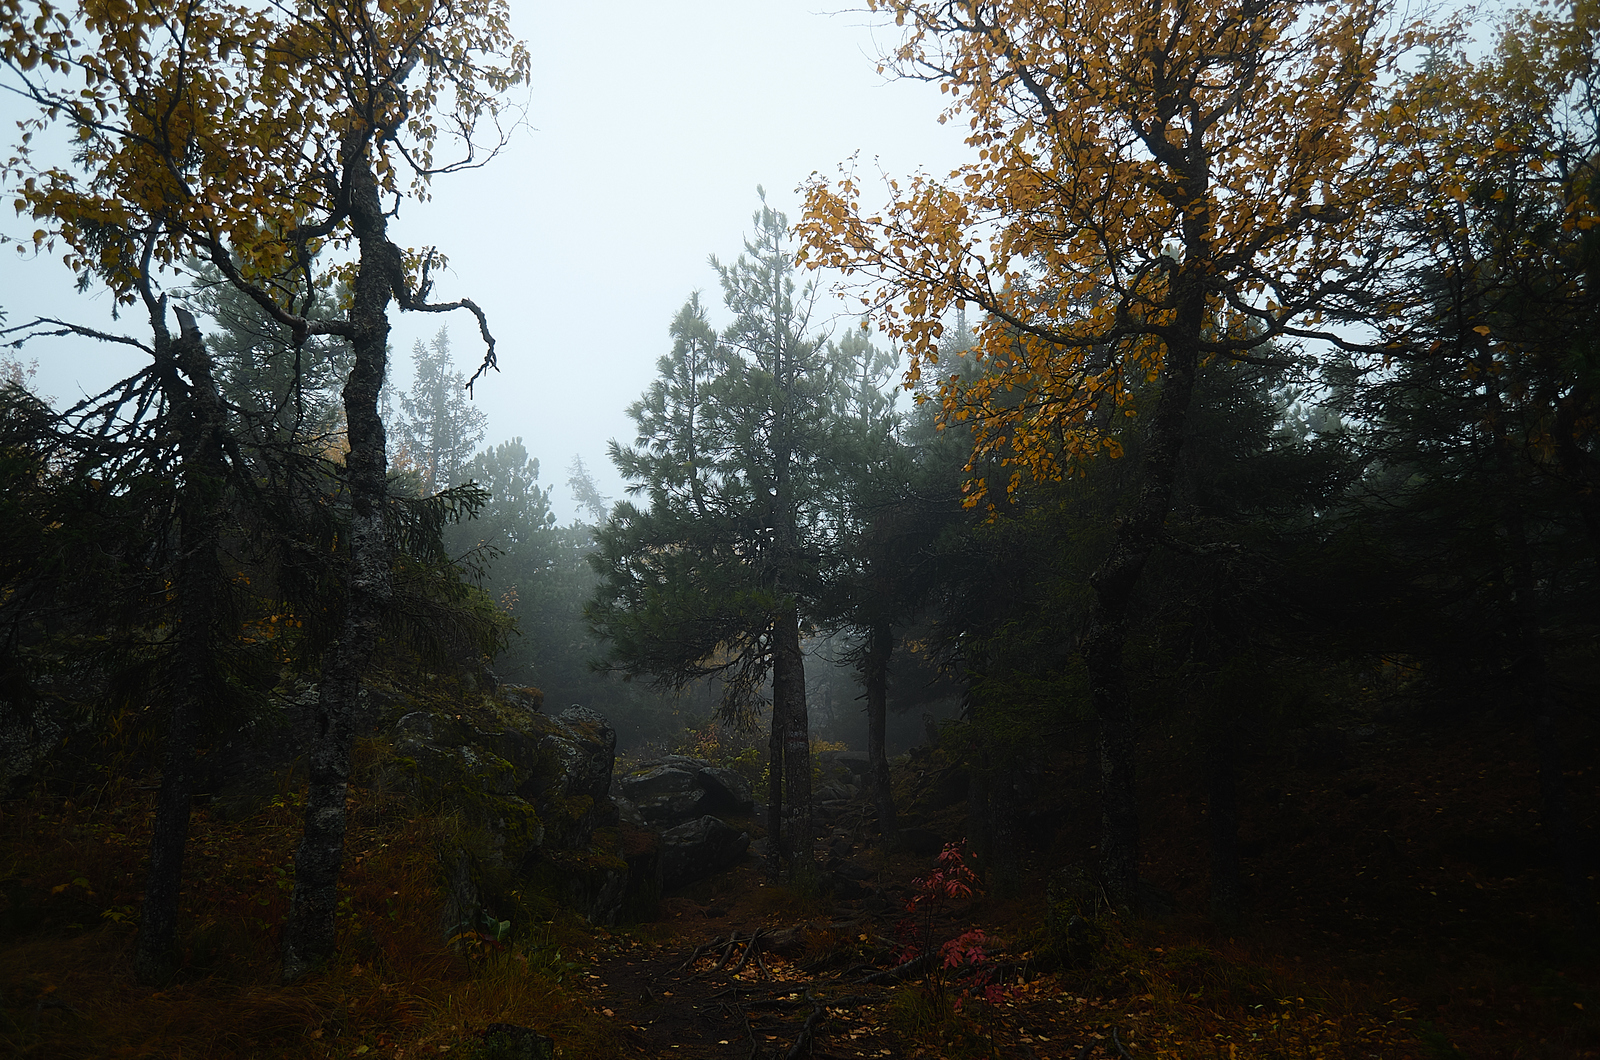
pixel 586 750
pixel 521 697
pixel 40 717
pixel 726 791
pixel 677 788
pixel 843 887
pixel 529 792
pixel 700 848
pixel 834 792
pixel 244 768
pixel 666 794
pixel 629 814
pixel 30 732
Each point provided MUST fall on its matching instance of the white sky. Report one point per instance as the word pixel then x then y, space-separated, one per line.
pixel 652 125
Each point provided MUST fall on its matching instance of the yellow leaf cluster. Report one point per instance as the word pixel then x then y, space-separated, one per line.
pixel 210 127
pixel 1131 158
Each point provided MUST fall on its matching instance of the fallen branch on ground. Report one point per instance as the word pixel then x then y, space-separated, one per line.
pixel 899 971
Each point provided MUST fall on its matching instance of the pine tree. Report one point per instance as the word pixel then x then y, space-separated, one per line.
pixel 713 570
pixel 440 428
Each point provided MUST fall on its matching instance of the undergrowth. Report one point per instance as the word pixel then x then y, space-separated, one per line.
pixel 71 873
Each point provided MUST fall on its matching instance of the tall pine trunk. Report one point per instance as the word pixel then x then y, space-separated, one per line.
pixel 775 848
pixel 197 587
pixel 309 936
pixel 880 646
pixel 1114 583
pixel 789 704
pixel 1222 814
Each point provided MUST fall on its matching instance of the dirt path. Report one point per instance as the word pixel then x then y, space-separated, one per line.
pixel 727 979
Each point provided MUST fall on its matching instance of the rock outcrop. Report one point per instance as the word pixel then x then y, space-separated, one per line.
pixel 532 795
pixel 674 789
pixel 699 848
pixel 680 797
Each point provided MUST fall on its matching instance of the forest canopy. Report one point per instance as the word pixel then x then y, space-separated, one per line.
pixel 1252 424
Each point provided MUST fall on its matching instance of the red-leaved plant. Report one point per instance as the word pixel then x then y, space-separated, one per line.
pixel 964 955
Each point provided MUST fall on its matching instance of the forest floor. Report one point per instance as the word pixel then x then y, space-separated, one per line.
pixel 1401 905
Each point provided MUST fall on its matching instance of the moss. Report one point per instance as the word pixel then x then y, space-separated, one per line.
pixel 492 770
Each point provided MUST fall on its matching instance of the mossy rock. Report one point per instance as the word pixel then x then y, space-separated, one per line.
pixel 526 793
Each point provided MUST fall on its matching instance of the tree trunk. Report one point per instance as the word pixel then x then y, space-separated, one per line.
pixel 789 703
pixel 880 646
pixel 1114 583
pixel 775 848
pixel 309 935
pixel 197 586
pixel 1532 673
pixel 992 805
pixel 1222 811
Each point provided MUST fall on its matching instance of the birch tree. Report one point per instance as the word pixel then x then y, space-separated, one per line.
pixel 253 138
pixel 1155 184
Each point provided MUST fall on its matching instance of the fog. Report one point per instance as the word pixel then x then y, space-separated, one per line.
pixel 646 135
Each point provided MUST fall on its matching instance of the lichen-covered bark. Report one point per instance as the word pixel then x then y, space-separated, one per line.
pixel 309 935
pixel 197 587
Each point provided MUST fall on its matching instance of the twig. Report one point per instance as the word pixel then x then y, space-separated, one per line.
pixel 783 990
pixel 727 953
pixel 899 971
pixel 782 1002
pixel 806 1031
pixel 698 951
pixel 750 1032
pixel 751 947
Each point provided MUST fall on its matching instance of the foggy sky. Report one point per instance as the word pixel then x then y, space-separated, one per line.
pixel 650 126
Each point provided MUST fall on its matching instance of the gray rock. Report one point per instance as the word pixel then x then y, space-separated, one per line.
pixel 416 725
pixel 30 734
pixel 529 791
pixel 629 814
pixel 589 754
pixel 725 791
pixel 844 888
pixel 834 793
pixel 700 848
pixel 521 698
pixel 665 795
pixel 849 870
